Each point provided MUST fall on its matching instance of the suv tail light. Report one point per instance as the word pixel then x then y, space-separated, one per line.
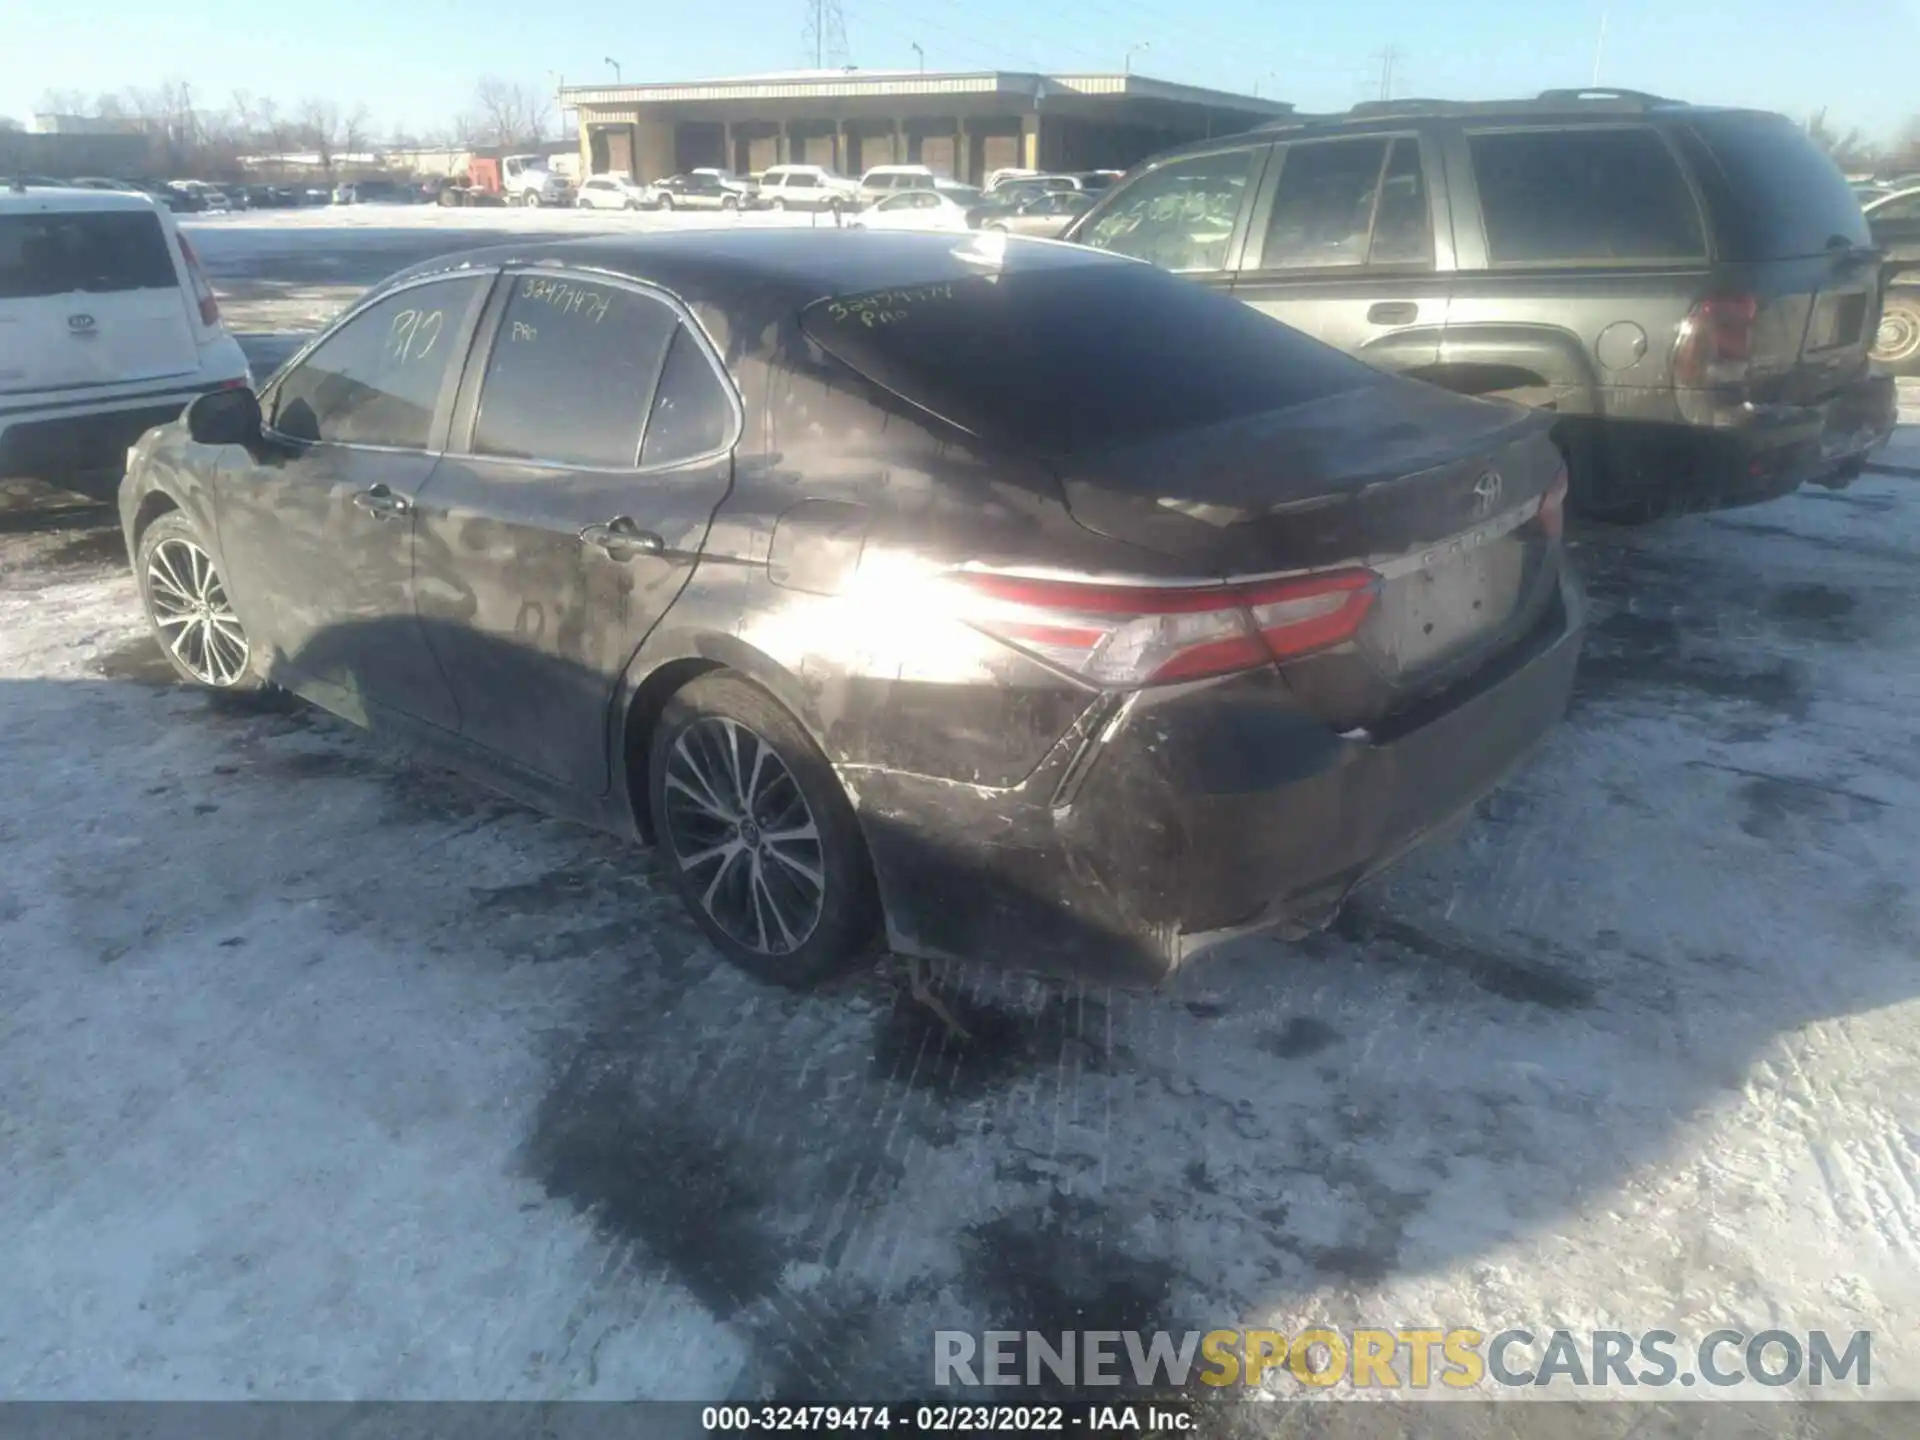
pixel 1716 342
pixel 1126 635
pixel 202 291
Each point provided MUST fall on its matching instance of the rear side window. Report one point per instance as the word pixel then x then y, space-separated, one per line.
pixel 1590 196
pixel 377 379
pixel 1773 193
pixel 1349 202
pixel 691 413
pixel 100 252
pixel 1075 357
pixel 572 371
pixel 1179 216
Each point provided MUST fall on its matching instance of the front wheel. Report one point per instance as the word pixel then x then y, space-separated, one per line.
pixel 730 202
pixel 666 202
pixel 757 834
pixel 779 202
pixel 532 201
pixel 1896 344
pixel 187 606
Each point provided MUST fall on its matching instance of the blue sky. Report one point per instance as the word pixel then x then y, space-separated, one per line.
pixel 413 62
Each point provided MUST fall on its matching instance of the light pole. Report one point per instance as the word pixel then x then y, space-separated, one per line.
pixel 1600 47
pixel 1127 67
pixel 921 54
pixel 616 69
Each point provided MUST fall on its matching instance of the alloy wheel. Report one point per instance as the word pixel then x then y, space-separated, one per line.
pixel 195 619
pixel 743 834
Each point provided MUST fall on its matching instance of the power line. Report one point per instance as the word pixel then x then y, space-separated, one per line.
pixel 1388 58
pixel 826 33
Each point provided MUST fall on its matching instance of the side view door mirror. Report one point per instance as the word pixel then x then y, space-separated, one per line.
pixel 225 417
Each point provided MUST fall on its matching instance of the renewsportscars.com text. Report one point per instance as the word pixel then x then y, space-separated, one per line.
pixel 1413 1358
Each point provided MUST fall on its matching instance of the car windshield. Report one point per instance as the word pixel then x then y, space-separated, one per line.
pixel 1070 358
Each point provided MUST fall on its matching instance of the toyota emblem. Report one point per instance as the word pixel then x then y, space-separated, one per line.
pixel 79 322
pixel 1486 493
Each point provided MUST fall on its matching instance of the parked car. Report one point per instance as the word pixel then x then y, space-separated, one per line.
pixel 997 178
pixel 1893 220
pixel 695 191
pixel 884 180
pixel 614 192
pixel 1097 180
pixel 1692 292
pixel 805 187
pixel 1045 216
pixel 110 328
pixel 1243 619
pixel 373 192
pixel 913 210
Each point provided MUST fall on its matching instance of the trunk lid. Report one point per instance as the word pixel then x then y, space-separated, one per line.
pixel 1438 495
pixel 89 297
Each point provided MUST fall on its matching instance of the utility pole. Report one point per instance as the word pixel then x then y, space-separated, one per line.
pixel 1387 58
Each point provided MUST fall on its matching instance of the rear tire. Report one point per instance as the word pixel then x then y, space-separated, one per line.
pixel 188 609
pixel 757 835
pixel 730 202
pixel 666 202
pixel 1896 344
pixel 779 202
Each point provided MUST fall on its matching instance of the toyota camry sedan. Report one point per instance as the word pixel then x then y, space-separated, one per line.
pixel 977 596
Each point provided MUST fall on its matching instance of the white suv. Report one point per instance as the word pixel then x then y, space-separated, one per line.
pixel 107 328
pixel 806 187
pixel 884 180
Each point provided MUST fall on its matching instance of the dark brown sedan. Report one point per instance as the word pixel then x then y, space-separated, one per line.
pixel 1001 599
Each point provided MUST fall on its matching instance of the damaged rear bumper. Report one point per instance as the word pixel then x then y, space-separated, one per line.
pixel 1171 820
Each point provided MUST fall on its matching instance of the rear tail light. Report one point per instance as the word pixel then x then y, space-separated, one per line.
pixel 1716 342
pixel 1125 635
pixel 1553 505
pixel 202 291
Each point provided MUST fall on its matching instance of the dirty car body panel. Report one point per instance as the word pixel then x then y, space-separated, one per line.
pixel 1107 668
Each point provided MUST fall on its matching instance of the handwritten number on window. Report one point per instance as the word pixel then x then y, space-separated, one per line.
pixel 413 334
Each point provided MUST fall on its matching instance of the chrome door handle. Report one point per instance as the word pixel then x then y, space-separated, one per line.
pixel 622 539
pixel 380 502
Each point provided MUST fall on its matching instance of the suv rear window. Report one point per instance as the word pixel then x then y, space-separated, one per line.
pixel 1590 195
pixel 98 252
pixel 1774 194
pixel 1069 358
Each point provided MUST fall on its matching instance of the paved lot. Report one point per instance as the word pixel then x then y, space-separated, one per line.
pixel 323 1074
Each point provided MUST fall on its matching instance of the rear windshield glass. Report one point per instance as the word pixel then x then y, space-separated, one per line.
pixel 1072 357
pixel 1774 194
pixel 99 252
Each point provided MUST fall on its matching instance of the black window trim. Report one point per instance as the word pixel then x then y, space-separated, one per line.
pixel 1253 260
pixel 1260 153
pixel 466 410
pixel 1468 183
pixel 444 404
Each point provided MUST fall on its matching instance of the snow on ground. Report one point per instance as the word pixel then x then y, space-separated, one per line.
pixel 325 1074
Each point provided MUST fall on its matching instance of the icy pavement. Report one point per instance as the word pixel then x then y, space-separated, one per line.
pixel 323 1074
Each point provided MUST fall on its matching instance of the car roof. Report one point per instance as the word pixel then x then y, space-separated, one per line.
pixel 1550 107
pixel 64 199
pixel 794 266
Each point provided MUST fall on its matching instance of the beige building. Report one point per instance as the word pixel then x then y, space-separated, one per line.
pixel 964 125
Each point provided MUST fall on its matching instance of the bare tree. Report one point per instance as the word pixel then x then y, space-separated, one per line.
pixel 317 124
pixel 507 114
pixel 7 122
pixel 64 102
pixel 354 131
pixel 1850 150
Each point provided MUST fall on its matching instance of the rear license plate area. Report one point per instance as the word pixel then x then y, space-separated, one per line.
pixel 1838 320
pixel 1430 616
